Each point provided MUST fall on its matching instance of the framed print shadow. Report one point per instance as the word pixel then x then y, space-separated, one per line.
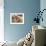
pixel 16 18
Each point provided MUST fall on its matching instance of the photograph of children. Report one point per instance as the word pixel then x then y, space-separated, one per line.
pixel 17 18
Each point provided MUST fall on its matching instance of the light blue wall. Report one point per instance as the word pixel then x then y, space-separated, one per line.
pixel 28 7
pixel 43 6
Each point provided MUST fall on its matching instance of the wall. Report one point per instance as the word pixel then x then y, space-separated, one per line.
pixel 43 6
pixel 28 7
pixel 1 21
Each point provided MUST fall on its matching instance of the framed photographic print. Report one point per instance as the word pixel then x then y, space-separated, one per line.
pixel 16 18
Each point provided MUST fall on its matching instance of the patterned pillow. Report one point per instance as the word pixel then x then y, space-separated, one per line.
pixel 28 40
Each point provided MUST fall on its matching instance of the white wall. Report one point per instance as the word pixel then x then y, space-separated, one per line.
pixel 1 20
